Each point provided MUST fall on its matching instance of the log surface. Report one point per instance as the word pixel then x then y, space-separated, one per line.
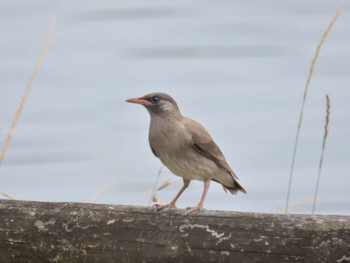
pixel 80 232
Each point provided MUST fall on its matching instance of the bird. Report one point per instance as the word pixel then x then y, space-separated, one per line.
pixel 186 148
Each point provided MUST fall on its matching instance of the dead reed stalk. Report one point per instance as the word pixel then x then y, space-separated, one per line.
pixel 311 70
pixel 328 105
pixel 47 43
pixel 103 189
pixel 7 195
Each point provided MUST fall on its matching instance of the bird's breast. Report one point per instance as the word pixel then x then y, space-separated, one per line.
pixel 173 145
pixel 166 137
pixel 179 156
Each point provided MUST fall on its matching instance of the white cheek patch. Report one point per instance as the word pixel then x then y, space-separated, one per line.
pixel 166 106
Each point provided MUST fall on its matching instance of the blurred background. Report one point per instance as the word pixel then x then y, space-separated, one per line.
pixel 239 68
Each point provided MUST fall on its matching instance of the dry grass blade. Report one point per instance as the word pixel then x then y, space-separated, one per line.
pixel 328 106
pixel 154 188
pixel 103 189
pixel 301 203
pixel 164 185
pixel 311 70
pixel 153 196
pixel 7 195
pixel 47 43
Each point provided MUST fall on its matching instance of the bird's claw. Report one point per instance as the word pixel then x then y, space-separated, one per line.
pixel 192 209
pixel 157 207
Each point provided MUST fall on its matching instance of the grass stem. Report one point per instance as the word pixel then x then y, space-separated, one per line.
pixel 328 105
pixel 311 70
pixel 47 43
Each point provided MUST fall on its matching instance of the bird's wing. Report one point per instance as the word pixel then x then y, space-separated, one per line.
pixel 204 144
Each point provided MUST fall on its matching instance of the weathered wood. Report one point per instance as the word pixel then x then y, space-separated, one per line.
pixel 77 232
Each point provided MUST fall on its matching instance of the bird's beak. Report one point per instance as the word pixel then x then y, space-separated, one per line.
pixel 139 101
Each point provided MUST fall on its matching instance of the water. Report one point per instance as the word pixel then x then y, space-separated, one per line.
pixel 238 68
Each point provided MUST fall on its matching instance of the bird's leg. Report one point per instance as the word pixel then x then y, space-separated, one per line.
pixel 201 202
pixel 172 204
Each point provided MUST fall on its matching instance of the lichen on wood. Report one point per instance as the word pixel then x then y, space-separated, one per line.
pixel 80 232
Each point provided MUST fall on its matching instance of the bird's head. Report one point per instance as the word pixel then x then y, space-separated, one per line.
pixel 157 103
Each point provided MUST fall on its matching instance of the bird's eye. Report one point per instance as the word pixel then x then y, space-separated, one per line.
pixel 155 99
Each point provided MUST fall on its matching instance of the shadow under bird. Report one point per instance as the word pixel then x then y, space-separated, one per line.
pixel 185 147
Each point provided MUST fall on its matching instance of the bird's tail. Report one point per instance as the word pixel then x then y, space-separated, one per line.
pixel 235 189
pixel 232 189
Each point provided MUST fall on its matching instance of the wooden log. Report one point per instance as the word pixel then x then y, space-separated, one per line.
pixel 79 232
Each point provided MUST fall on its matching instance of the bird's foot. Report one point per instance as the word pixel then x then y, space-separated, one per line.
pixel 158 207
pixel 192 209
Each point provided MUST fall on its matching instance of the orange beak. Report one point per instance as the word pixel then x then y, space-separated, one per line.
pixel 139 101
